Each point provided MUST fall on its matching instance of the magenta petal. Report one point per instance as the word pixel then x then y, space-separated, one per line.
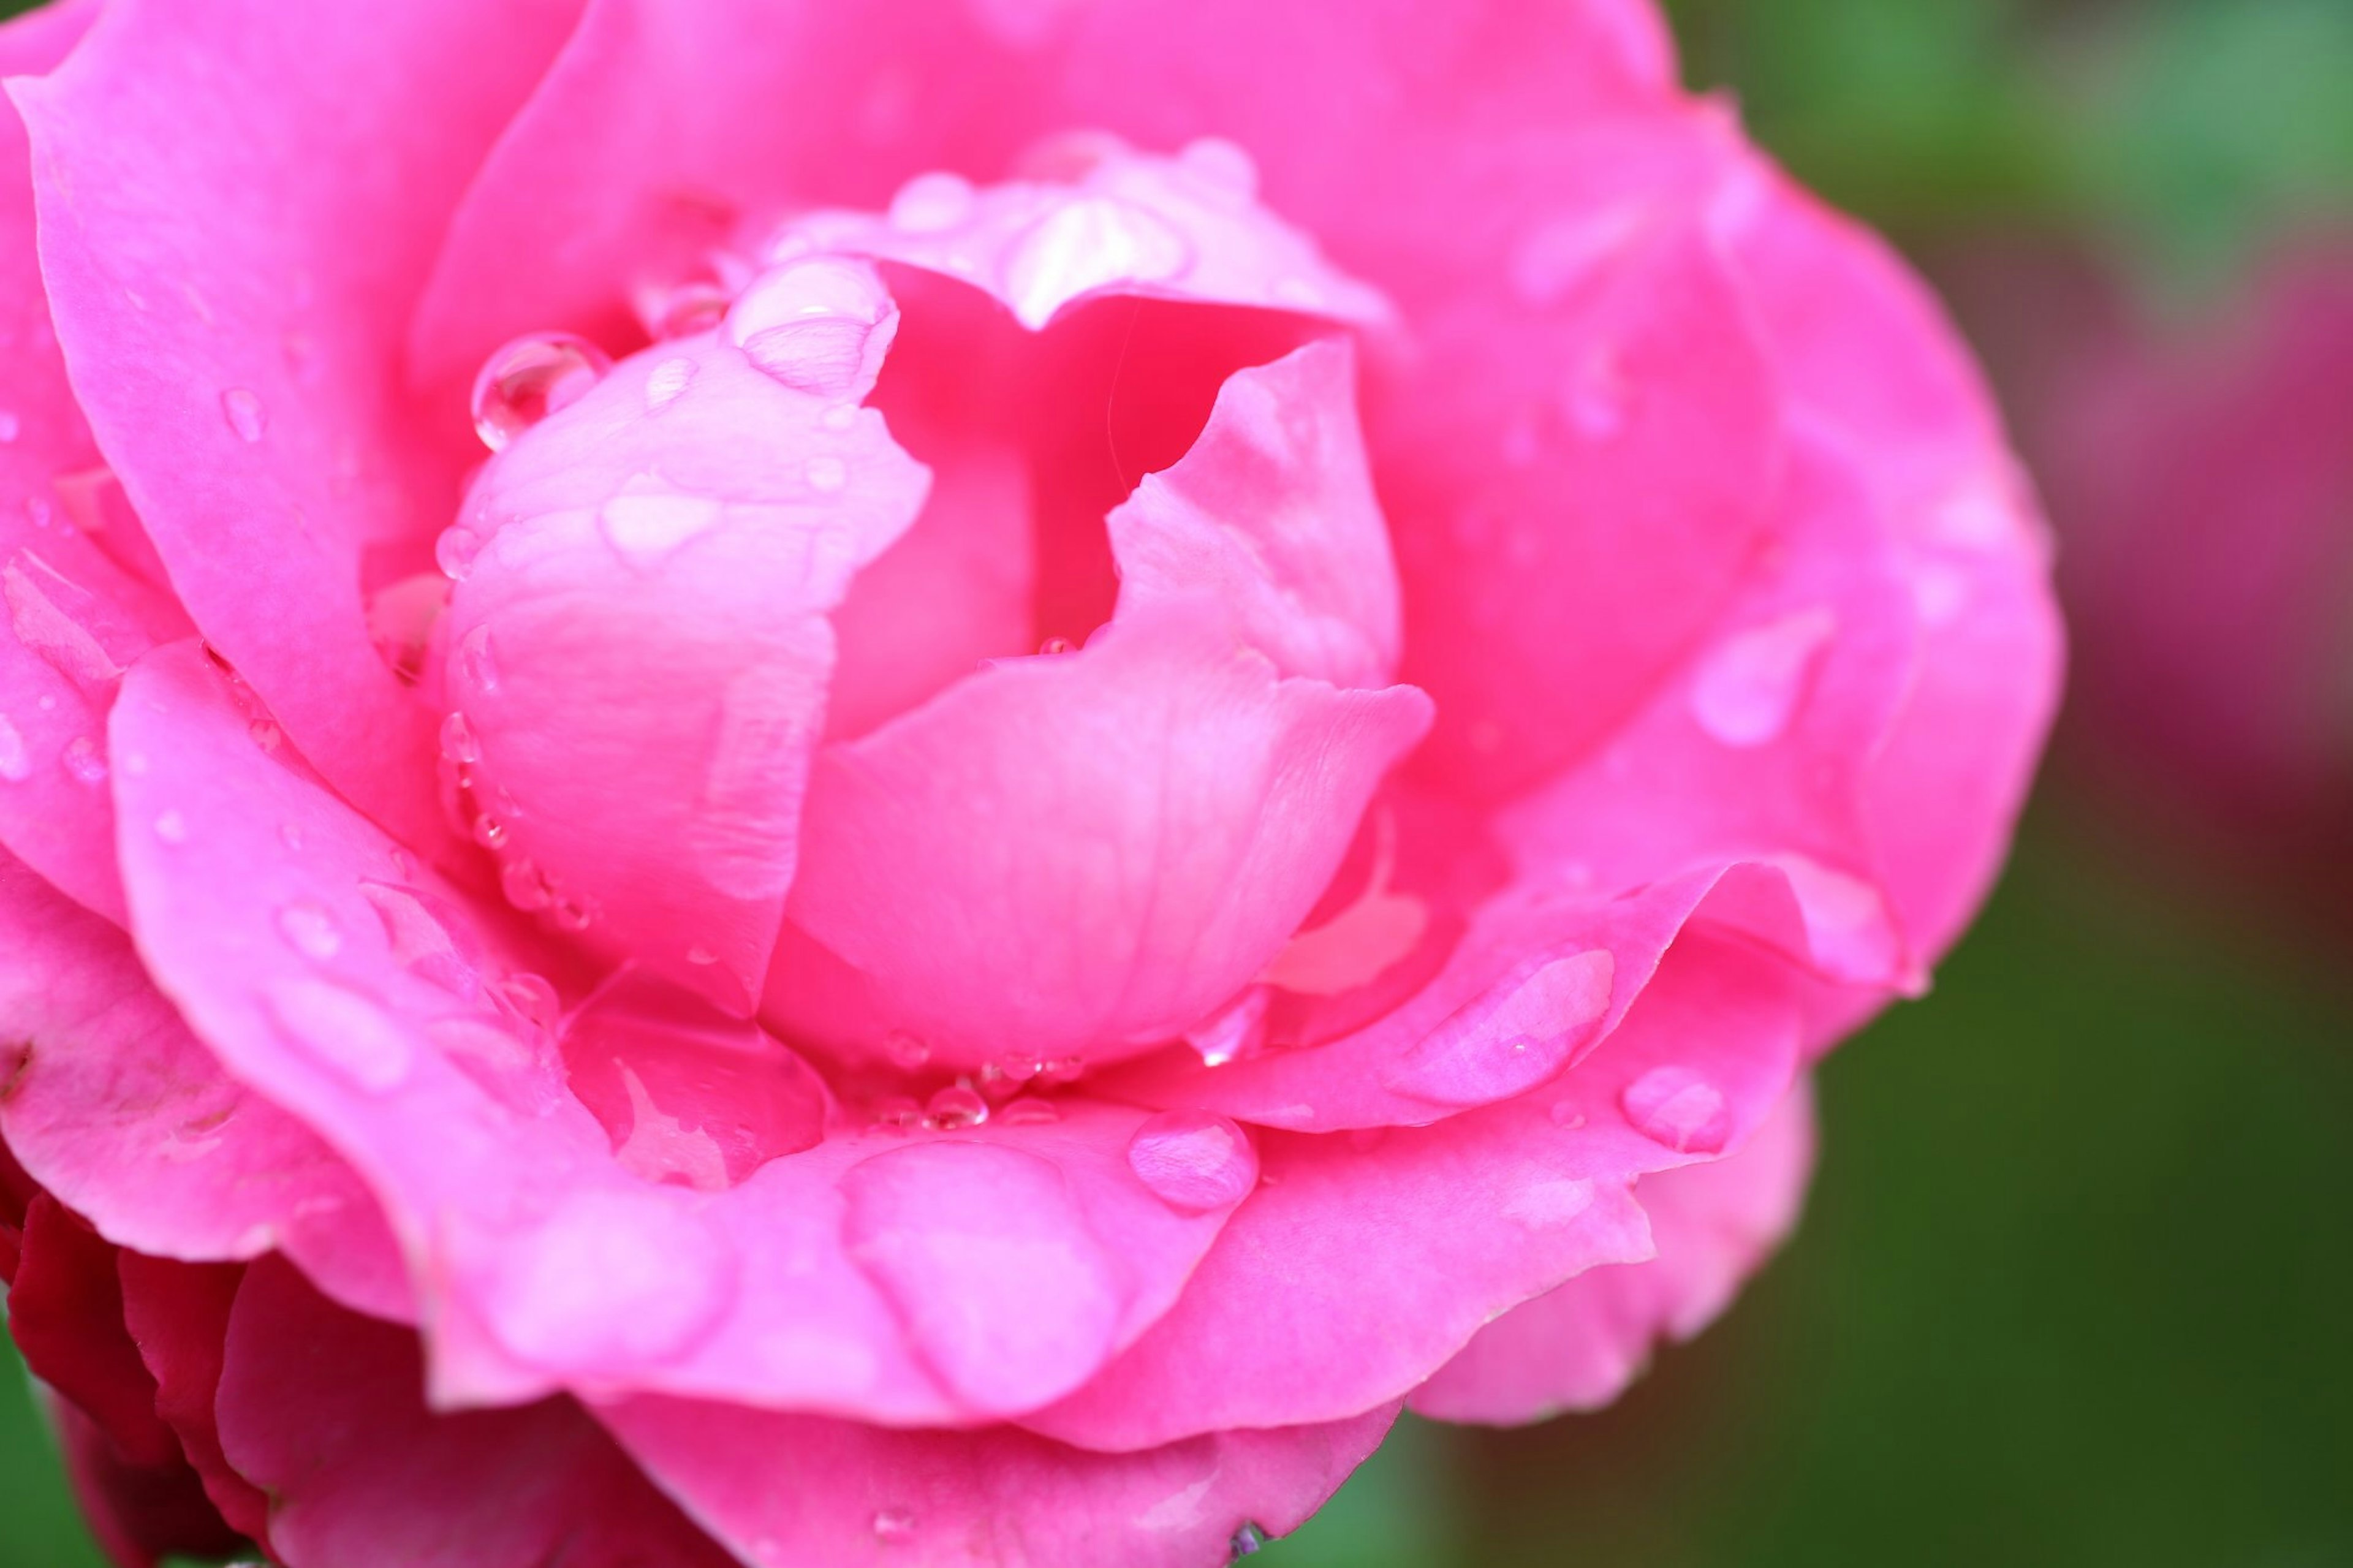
pixel 178 1316
pixel 1002 862
pixel 233 315
pixel 640 650
pixel 117 1109
pixel 788 1490
pixel 323 1410
pixel 1577 1347
pixel 1366 1262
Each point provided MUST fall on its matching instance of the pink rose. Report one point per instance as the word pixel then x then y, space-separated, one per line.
pixel 2204 479
pixel 1160 724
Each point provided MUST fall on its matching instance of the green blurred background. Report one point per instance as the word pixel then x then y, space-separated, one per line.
pixel 2073 1285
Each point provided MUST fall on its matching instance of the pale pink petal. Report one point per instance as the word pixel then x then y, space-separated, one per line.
pixel 787 1490
pixel 638 647
pixel 237 204
pixel 1577 1347
pixel 115 1108
pixel 1368 1259
pixel 324 1410
pixel 552 1250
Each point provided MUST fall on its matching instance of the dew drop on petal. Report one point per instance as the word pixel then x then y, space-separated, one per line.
pixel 1029 1113
pixel 955 1108
pixel 1489 1053
pixel 489 831
pixel 525 887
pixel 16 763
pixel 897 1113
pixel 929 203
pixel 646 525
pixel 1194 1159
pixel 893 1524
pixel 456 550
pixel 820 325
pixel 266 734
pixel 309 931
pixel 458 743
pixel 10 426
pixel 701 957
pixel 242 408
pixel 1676 1107
pixel 1223 164
pixel 827 474
pixel 530 378
pixel 343 1031
pixel 532 999
pixel 572 914
pixel 1093 243
pixel 478 662
pixel 666 382
pixel 1748 689
pixel 907 1053
pixel 171 827
pixel 1248 1541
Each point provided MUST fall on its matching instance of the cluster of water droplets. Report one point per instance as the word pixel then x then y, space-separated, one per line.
pixel 1011 1092
pixel 486 813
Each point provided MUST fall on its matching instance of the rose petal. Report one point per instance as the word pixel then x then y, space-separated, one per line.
pixel 178 1313
pixel 789 1489
pixel 1577 1347
pixel 230 312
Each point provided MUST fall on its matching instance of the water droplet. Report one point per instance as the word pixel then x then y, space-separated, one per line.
pixel 897 1113
pixel 489 831
pixel 534 1000
pixel 572 914
pixel 1678 1108
pixel 1248 1541
pixel 929 203
pixel 827 474
pixel 171 827
pixel 907 1053
pixel 955 1108
pixel 662 1277
pixel 290 834
pixel 840 418
pixel 1096 242
pixel 1223 164
pixel 524 885
pixel 309 931
pixel 456 550
pixel 1567 1115
pixel 666 382
pixel 683 311
pixel 83 759
pixel 984 1252
pixel 893 1524
pixel 643 526
pixel 820 325
pixel 345 1031
pixel 1597 396
pixel 1054 647
pixel 16 763
pixel 266 734
pixel 1235 1031
pixel 529 379
pixel 1027 1112
pixel 419 941
pixel 458 743
pixel 477 663
pixel 701 957
pixel 10 426
pixel 1502 1045
pixel 1063 1070
pixel 245 414
pixel 1748 690
pixel 1194 1159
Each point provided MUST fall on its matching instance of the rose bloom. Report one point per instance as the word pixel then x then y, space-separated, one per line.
pixel 1160 724
pixel 2203 475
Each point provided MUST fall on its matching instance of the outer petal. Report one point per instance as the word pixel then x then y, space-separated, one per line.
pixel 544 1258
pixel 783 1491
pixel 121 1112
pixel 138 1513
pixel 70 591
pixel 178 1315
pixel 321 1408
pixel 1577 1347
pixel 641 649
pixel 1367 1261
pixel 237 204
pixel 65 1313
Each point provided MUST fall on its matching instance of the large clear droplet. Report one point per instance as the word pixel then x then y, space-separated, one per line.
pixel 531 378
pixel 1676 1107
pixel 1194 1159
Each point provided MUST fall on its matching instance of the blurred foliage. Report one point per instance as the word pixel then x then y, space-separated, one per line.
pixel 2071 1284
